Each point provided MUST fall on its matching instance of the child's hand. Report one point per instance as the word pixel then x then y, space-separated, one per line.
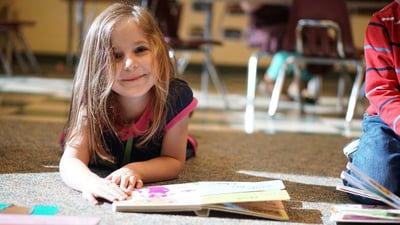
pixel 102 188
pixel 126 179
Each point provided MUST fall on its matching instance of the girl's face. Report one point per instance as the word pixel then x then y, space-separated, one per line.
pixel 135 71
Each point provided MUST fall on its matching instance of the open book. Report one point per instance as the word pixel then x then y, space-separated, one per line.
pixel 366 187
pixel 261 199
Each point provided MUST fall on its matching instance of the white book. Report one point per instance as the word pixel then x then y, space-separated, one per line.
pixel 261 199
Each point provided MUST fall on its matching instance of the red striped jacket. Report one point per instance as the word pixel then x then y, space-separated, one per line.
pixel 382 58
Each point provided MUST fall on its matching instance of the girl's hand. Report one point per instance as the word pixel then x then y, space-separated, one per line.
pixel 126 179
pixel 102 188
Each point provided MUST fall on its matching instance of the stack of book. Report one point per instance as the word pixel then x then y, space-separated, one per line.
pixel 363 185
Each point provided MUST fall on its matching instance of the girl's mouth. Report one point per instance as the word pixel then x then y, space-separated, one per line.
pixel 133 78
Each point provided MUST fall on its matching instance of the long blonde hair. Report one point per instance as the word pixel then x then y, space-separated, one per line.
pixel 91 109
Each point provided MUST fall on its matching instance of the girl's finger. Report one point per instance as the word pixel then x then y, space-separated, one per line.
pixel 116 179
pixel 124 182
pixel 139 183
pixel 132 182
pixel 90 197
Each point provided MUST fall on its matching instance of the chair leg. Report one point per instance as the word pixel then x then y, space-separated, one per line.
pixel 30 56
pixel 314 86
pixel 251 89
pixel 171 54
pixel 297 80
pixel 249 119
pixel 252 74
pixel 276 92
pixel 212 71
pixel 6 65
pixel 5 52
pixel 252 77
pixel 208 70
pixel 15 50
pixel 357 84
pixel 343 79
pixel 340 93
pixel 182 62
pixel 204 80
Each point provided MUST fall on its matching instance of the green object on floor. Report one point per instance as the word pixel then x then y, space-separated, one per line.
pixel 44 210
pixel 4 205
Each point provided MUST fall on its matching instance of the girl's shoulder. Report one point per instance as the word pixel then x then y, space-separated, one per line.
pixel 180 97
pixel 180 89
pixel 179 83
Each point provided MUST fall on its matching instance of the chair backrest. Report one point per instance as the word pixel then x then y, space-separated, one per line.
pixel 320 41
pixel 267 27
pixel 167 13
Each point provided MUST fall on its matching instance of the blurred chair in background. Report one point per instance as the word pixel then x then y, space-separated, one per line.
pixel 267 25
pixel 168 15
pixel 320 33
pixel 266 31
pixel 14 44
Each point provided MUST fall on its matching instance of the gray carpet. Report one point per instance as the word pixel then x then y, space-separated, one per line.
pixel 309 165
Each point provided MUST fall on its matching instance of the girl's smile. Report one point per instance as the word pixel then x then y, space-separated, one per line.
pixel 133 78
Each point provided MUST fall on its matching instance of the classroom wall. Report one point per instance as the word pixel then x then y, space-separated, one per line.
pixel 49 36
pixel 50 33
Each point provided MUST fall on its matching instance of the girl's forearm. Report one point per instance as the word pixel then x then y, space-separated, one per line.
pixel 75 173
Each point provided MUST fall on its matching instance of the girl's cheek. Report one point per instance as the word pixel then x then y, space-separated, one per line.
pixel 118 69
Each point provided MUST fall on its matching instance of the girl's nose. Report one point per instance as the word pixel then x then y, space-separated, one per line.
pixel 130 63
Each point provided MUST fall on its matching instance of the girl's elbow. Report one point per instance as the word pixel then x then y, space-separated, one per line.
pixel 181 167
pixel 63 168
pixel 178 169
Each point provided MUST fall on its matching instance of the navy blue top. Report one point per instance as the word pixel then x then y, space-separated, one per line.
pixel 180 103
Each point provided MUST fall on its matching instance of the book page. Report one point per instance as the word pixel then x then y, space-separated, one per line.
pixel 359 192
pixel 264 209
pixel 252 196
pixel 216 187
pixel 163 197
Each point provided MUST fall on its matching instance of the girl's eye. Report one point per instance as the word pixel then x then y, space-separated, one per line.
pixel 141 49
pixel 118 56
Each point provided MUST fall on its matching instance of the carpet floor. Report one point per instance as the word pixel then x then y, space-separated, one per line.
pixel 308 164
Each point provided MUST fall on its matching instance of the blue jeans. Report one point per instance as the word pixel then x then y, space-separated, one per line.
pixel 378 155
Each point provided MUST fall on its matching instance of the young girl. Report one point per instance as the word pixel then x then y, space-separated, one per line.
pixel 127 109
